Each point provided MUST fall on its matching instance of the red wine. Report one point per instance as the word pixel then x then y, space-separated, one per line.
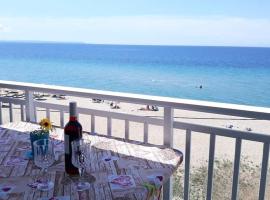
pixel 73 131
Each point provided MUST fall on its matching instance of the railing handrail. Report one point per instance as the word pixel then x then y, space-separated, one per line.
pixel 231 133
pixel 184 104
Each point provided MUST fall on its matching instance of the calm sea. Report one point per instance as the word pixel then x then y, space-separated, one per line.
pixel 227 74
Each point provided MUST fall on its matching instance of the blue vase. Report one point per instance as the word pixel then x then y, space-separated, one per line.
pixel 37 135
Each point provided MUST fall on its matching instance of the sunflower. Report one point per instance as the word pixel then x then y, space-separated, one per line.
pixel 46 124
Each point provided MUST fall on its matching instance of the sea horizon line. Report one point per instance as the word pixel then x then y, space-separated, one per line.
pixel 116 44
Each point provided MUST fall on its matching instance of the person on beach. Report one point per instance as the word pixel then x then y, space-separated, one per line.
pixel 150 108
pixel 114 105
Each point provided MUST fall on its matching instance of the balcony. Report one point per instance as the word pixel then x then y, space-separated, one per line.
pixel 202 130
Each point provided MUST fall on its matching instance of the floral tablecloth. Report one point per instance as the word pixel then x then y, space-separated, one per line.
pixel 111 159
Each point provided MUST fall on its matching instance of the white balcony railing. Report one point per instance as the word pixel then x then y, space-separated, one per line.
pixel 28 111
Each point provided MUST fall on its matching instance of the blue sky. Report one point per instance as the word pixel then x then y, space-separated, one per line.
pixel 155 22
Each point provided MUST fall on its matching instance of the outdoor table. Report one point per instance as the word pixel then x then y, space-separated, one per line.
pixel 109 156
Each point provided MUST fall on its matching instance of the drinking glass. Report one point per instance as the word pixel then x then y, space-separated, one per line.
pixel 44 158
pixel 81 149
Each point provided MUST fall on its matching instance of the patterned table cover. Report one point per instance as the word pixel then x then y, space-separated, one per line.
pixel 109 156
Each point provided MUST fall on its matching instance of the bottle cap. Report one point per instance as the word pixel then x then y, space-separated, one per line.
pixel 73 109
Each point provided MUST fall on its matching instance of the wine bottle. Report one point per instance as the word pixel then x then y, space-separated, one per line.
pixel 72 131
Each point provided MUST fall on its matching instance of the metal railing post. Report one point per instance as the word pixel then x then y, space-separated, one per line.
pixel 10 112
pixel 187 164
pixel 1 119
pixel 29 106
pixel 168 126
pixel 168 141
pixel 211 166
pixel 263 181
pixel 109 126
pixel 237 157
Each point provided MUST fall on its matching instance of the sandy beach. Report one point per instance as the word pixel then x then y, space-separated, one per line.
pixel 200 141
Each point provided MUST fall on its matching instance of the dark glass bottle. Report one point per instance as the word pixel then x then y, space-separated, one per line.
pixel 73 131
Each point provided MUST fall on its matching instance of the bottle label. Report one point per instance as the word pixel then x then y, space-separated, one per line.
pixel 66 139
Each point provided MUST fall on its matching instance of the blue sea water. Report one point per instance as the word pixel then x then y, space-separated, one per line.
pixel 227 74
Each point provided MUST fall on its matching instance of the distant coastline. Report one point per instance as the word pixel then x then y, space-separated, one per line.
pixel 115 44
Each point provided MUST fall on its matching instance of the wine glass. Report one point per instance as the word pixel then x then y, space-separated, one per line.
pixel 44 158
pixel 80 157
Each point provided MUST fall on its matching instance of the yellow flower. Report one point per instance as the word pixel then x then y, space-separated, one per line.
pixel 46 124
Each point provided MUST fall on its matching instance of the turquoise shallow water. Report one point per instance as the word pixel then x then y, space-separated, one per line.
pixel 227 74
